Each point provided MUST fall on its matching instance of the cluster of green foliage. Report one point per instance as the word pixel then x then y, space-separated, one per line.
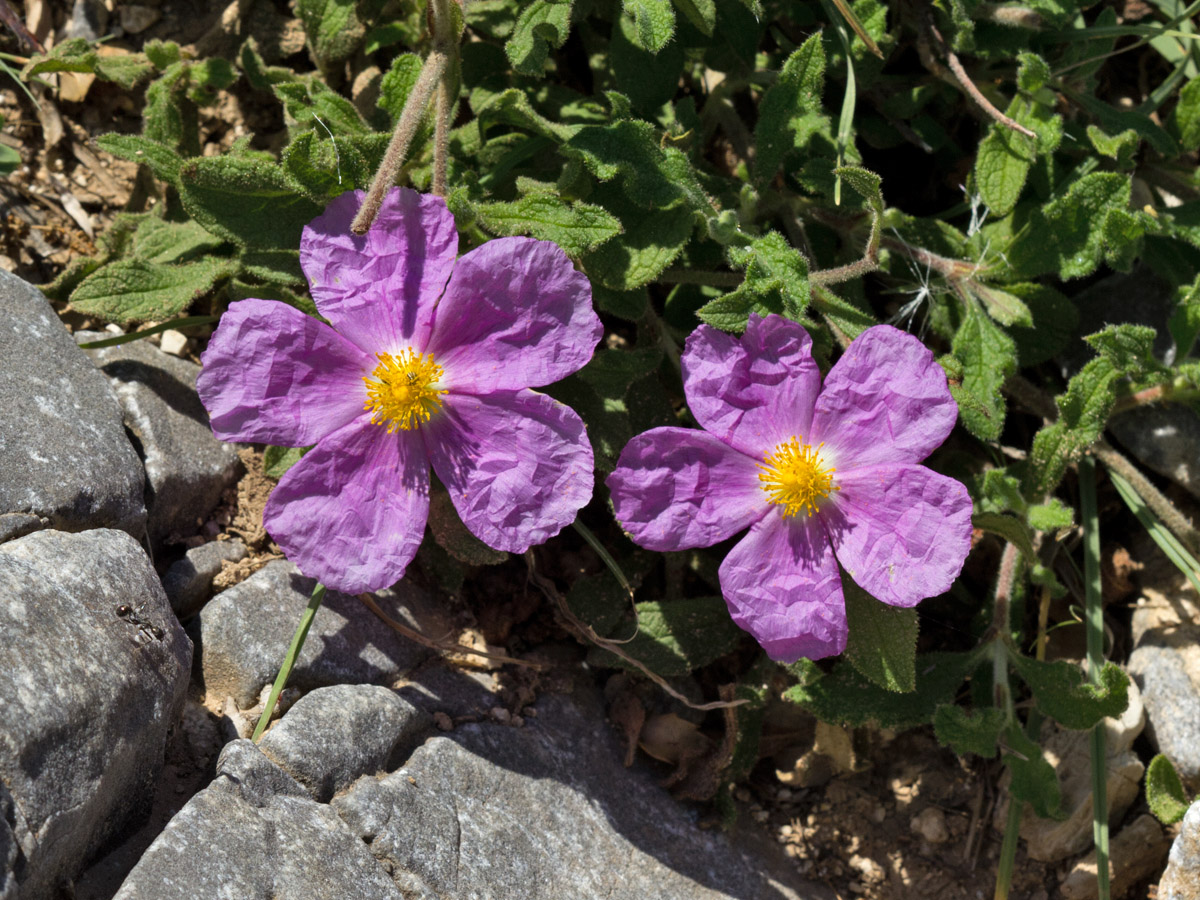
pixel 703 160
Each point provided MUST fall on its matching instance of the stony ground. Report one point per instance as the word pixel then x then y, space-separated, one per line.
pixel 870 815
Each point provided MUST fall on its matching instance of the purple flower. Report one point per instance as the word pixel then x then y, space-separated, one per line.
pixel 820 476
pixel 431 362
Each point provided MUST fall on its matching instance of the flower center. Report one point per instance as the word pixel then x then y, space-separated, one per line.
pixel 404 390
pixel 795 477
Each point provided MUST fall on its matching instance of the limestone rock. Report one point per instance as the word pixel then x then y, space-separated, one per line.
pixel 1164 438
pixel 188 581
pixel 187 468
pixel 243 633
pixel 1136 852
pixel 313 742
pixel 64 455
pixel 93 671
pixel 1181 881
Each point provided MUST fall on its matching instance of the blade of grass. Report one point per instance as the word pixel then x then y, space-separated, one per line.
pixel 1094 626
pixel 849 101
pixel 605 556
pixel 289 659
pixel 1161 535
pixel 183 322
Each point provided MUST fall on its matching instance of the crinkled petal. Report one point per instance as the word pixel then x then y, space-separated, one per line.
pixel 518 465
pixel 901 532
pixel 379 290
pixel 276 376
pixel 516 314
pixel 352 511
pixel 756 392
pixel 781 584
pixel 885 401
pixel 677 488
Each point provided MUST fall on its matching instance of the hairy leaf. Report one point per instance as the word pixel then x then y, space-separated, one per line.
pixel 1164 791
pixel 131 290
pixel 883 640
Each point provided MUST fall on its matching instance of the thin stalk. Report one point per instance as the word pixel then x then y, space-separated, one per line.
pixel 1008 848
pixel 1094 626
pixel 441 135
pixel 397 149
pixel 1176 521
pixel 183 322
pixel 289 659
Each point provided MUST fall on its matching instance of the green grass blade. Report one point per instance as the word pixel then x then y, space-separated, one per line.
pixel 1161 535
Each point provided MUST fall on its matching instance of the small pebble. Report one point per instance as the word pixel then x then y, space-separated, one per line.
pixel 442 721
pixel 930 823
pixel 173 342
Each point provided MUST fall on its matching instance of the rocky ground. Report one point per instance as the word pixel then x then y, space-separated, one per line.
pixel 152 612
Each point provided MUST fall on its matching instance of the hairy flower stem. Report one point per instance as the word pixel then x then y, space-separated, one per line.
pixel 1160 393
pixel 441 135
pixel 289 659
pixel 397 149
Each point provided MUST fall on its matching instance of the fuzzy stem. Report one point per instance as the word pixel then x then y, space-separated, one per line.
pixel 441 137
pixel 397 149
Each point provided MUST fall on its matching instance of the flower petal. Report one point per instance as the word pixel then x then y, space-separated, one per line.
pixel 518 465
pixel 516 314
pixel 351 513
pixel 379 290
pixel 901 532
pixel 885 401
pixel 756 392
pixel 676 488
pixel 781 584
pixel 276 376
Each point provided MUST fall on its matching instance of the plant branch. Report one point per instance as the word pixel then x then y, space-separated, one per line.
pixel 406 128
pixel 1154 498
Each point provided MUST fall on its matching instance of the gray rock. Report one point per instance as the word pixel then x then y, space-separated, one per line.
pixel 1166 666
pixel 544 812
pixel 64 455
pixel 1165 438
pixel 335 735
pixel 15 525
pixel 8 845
pixel 187 468
pixel 243 632
pixel 88 695
pixel 255 833
pixel 1181 880
pixel 188 581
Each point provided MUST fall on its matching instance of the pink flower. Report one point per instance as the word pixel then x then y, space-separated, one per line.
pixel 431 362
pixel 820 477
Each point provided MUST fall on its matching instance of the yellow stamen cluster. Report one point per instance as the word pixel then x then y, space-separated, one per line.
pixel 795 477
pixel 404 390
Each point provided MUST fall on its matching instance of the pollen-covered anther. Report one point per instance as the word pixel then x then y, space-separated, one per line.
pixel 404 390
pixel 795 477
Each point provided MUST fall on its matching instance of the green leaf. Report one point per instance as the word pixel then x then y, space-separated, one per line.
pixel 883 640
pixel 333 27
pixel 244 200
pixel 1067 235
pixel 1184 323
pixel 848 317
pixel 156 241
pixel 969 732
pixel 599 600
pixel 162 160
pixel 1052 516
pixel 131 290
pixel 1062 691
pixel 576 228
pixel 162 53
pixel 865 183
pixel 701 13
pixel 397 83
pixel 1033 778
pixel 277 460
pixel 629 305
pixel 1004 307
pixel 790 113
pixel 10 159
pixel 542 26
pixel 1032 72
pixel 653 20
pixel 630 149
pixel 988 357
pixel 650 79
pixel 650 243
pixel 846 696
pixel 1001 167
pixel 612 372
pixel 776 282
pixel 1164 791
pixel 1121 147
pixel 75 55
pixel 1129 348
pixel 1055 319
pixel 325 168
pixel 1010 528
pixel 454 537
pixel 1186 116
pixel 278 266
pixel 1083 413
pixel 309 102
pixel 676 636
